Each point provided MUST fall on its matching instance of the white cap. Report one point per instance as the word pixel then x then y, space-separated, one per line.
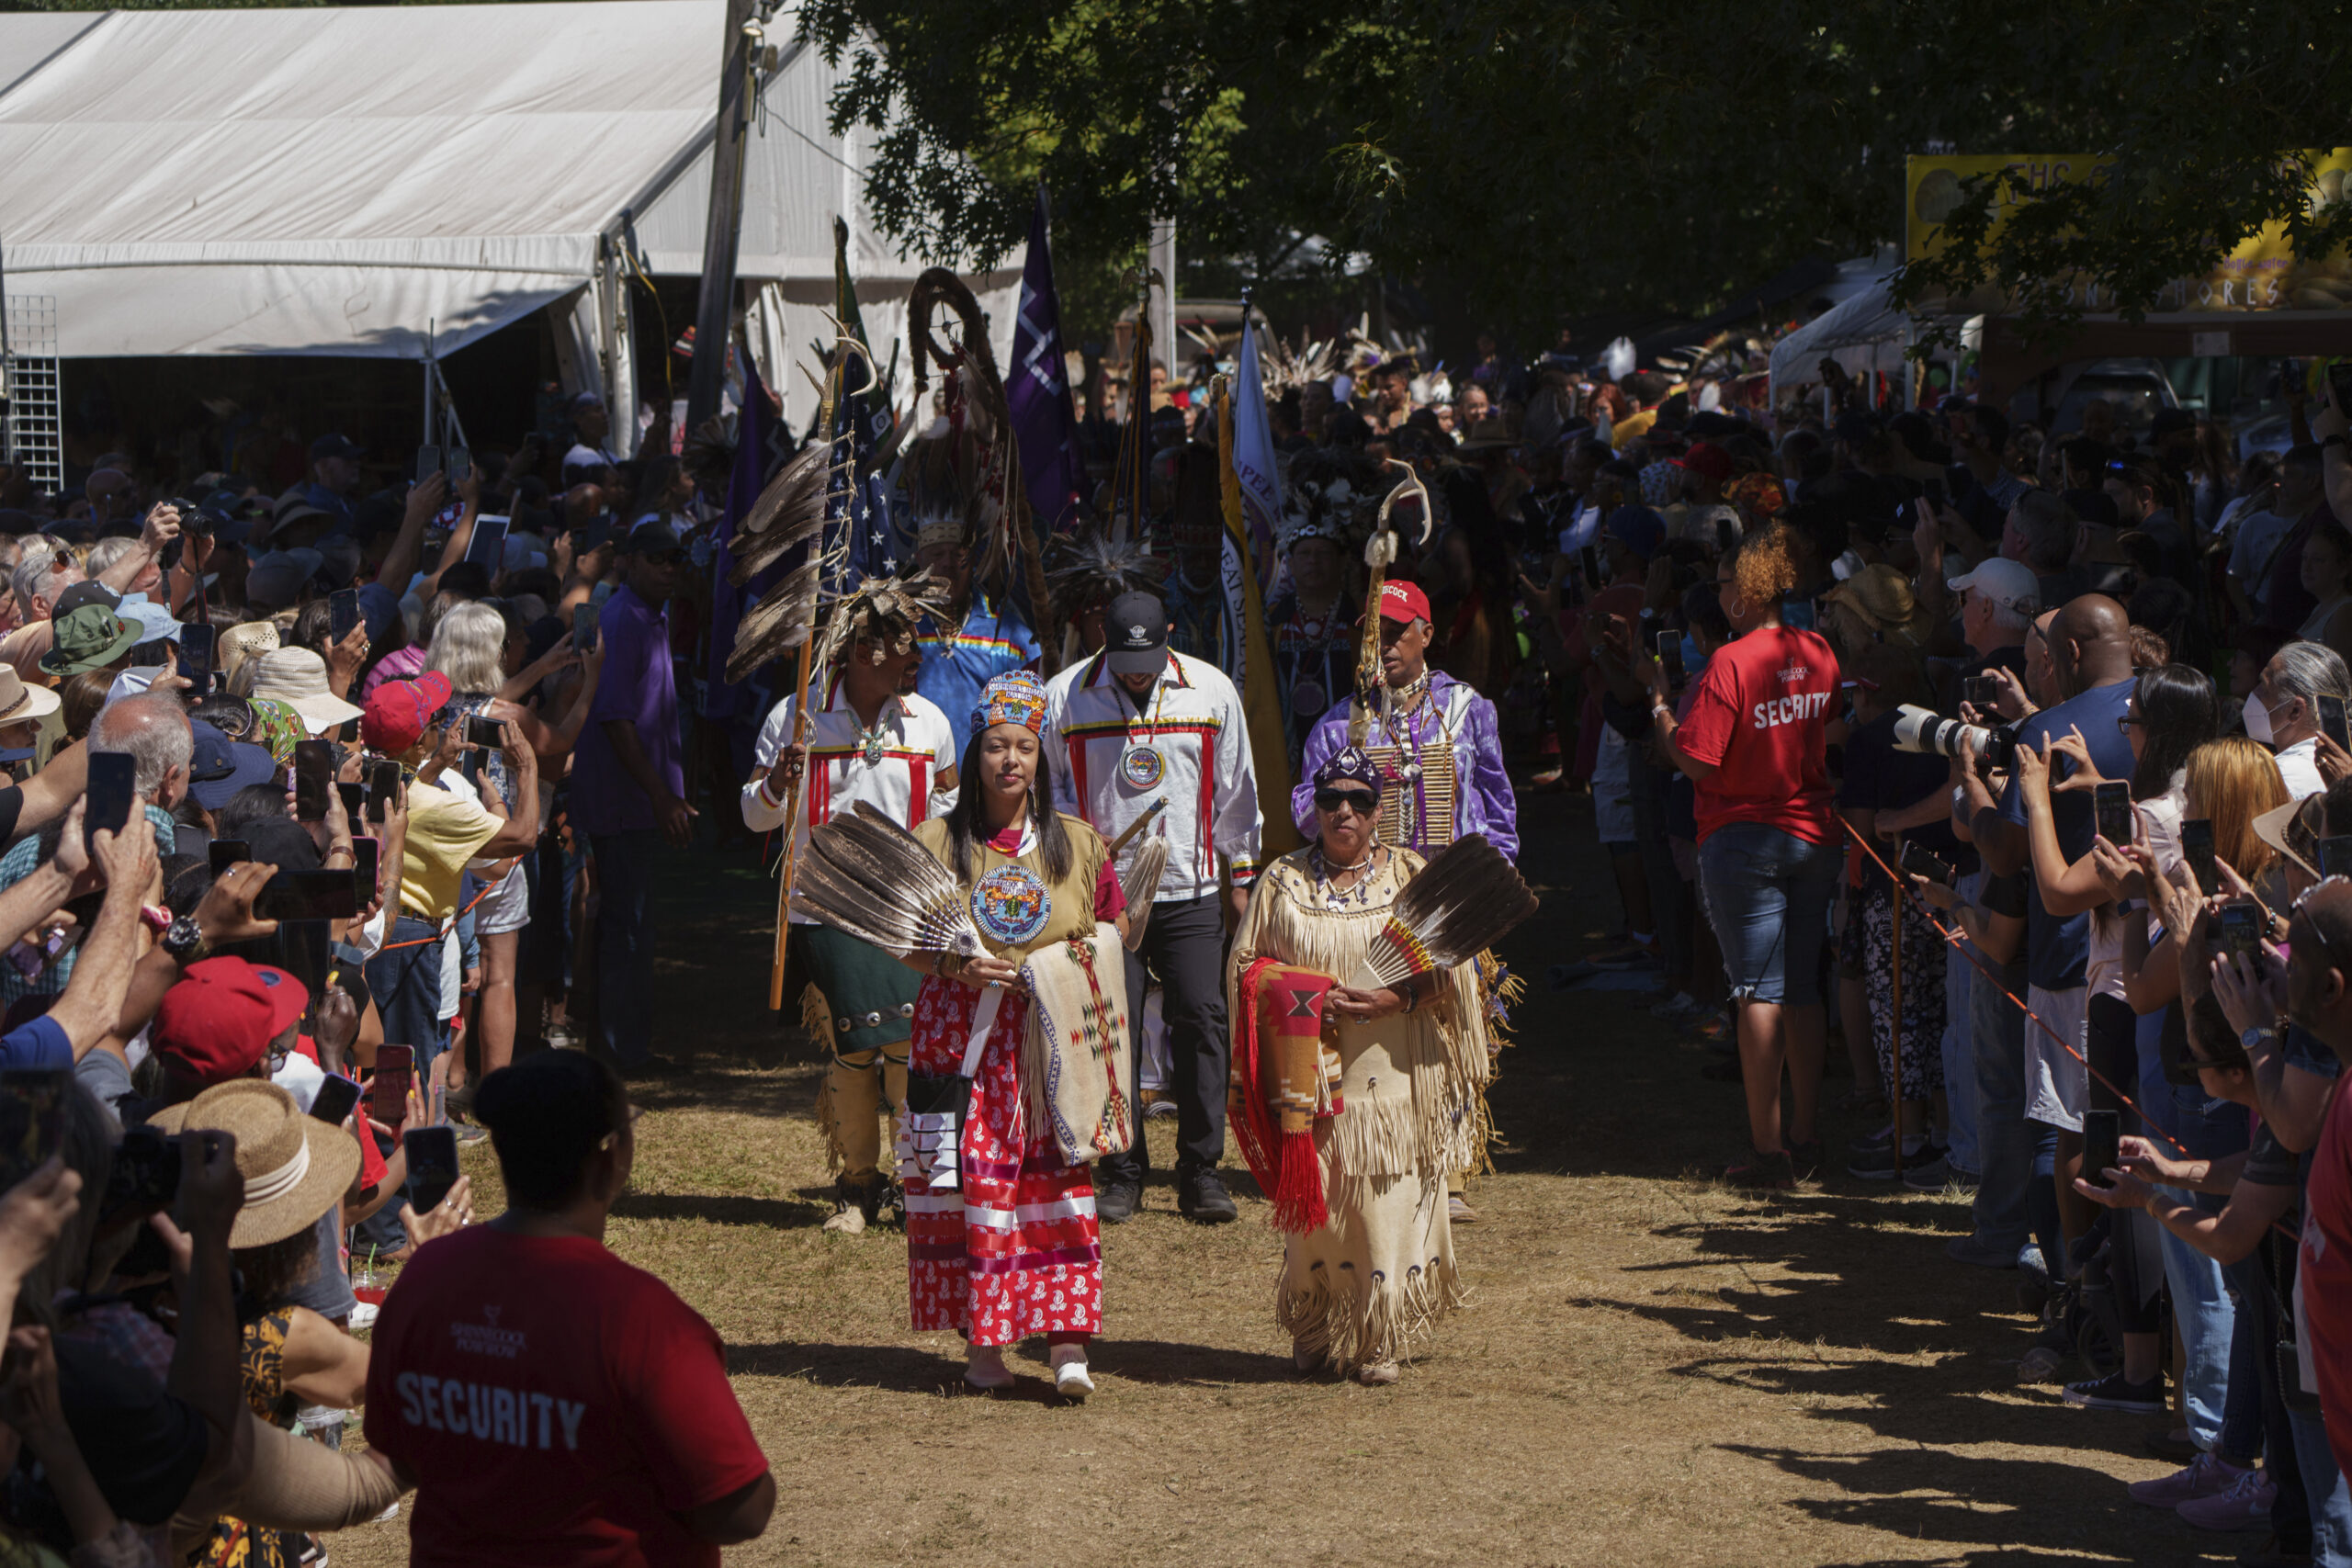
pixel 2007 582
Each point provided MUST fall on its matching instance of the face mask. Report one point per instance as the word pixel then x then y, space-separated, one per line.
pixel 2258 718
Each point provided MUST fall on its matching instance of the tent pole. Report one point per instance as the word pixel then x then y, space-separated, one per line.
pixel 722 227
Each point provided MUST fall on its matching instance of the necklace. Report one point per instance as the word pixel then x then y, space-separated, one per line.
pixel 1407 702
pixel 1357 892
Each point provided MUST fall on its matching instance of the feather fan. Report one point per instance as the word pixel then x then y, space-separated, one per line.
pixel 873 879
pixel 1462 903
pixel 1141 884
pixel 776 624
pixel 790 510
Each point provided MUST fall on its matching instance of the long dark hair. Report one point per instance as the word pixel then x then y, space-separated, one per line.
pixel 966 827
pixel 2178 714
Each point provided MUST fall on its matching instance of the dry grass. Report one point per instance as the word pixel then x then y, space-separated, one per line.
pixel 1655 1369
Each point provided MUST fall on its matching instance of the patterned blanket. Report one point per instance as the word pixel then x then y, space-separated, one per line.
pixel 1074 1059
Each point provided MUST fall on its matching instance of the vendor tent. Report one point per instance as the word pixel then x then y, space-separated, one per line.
pixel 347 181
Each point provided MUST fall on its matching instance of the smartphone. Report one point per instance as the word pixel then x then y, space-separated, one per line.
pixel 2339 383
pixel 342 612
pixel 432 1164
pixel 2331 722
pixel 1591 561
pixel 459 467
pixel 355 799
pixel 226 852
pixel 114 781
pixel 2241 926
pixel 324 895
pixel 1669 658
pixel 303 949
pixel 367 868
pixel 1918 861
pixel 197 644
pixel 428 462
pixel 1980 691
pixel 313 776
pixel 2102 1146
pixel 2197 848
pixel 144 1177
pixel 2335 857
pixel 584 627
pixel 32 1119
pixel 383 788
pixel 486 733
pixel 488 547
pixel 2112 802
pixel 334 1099
pixel 388 1090
pixel 1727 536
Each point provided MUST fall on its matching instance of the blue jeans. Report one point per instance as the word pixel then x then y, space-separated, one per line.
pixel 2003 1144
pixel 2324 1491
pixel 406 978
pixel 1959 1045
pixel 2204 1129
pixel 625 945
pixel 1768 897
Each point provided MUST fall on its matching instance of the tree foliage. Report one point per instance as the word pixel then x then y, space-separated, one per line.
pixel 1561 158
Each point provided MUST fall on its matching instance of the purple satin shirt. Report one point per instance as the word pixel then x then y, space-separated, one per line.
pixel 1483 799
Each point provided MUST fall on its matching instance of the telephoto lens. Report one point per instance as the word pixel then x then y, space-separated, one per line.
pixel 1919 731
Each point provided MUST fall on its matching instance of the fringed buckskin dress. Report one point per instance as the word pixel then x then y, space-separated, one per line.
pixel 1358 1290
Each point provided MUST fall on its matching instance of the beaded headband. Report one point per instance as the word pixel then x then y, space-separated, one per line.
pixel 1016 697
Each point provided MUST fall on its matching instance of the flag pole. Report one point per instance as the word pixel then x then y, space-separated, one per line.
pixel 800 730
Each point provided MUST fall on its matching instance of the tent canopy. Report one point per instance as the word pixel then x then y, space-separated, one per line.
pixel 342 180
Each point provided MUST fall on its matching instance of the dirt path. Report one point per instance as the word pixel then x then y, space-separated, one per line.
pixel 1653 1370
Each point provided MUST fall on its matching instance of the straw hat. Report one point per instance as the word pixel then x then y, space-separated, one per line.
pixel 239 645
pixel 19 702
pixel 298 677
pixel 295 1166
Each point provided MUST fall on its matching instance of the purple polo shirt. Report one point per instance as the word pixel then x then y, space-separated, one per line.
pixel 640 687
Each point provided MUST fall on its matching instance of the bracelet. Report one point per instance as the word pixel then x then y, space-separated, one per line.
pixel 1660 710
pixel 950 965
pixel 1412 997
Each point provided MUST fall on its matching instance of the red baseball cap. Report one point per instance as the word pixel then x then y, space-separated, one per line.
pixel 217 1023
pixel 1401 600
pixel 1708 461
pixel 400 712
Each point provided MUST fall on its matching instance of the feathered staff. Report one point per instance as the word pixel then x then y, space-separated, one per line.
pixel 987 460
pixel 1379 551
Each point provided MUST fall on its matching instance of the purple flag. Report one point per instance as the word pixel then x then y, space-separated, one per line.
pixel 1038 393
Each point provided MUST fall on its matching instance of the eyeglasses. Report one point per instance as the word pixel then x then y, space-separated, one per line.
pixel 1362 802
pixel 2126 723
pixel 2335 958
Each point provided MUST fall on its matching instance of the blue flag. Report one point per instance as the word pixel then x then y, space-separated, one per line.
pixel 861 537
pixel 728 603
pixel 1036 390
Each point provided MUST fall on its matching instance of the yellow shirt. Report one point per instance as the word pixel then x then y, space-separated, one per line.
pixel 1630 428
pixel 1069 904
pixel 444 831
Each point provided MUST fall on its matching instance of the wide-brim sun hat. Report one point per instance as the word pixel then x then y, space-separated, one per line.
pixel 295 1166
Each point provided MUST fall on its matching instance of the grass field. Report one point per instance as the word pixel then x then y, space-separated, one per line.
pixel 1653 1369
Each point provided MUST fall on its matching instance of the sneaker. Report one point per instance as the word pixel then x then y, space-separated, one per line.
pixel 1930 1175
pixel 2033 1279
pixel 472 1132
pixel 1805 1159
pixel 2245 1506
pixel 1877 1164
pixel 1458 1211
pixel 1070 1378
pixel 1675 1009
pixel 1979 1254
pixel 1201 1198
pixel 1115 1201
pixel 1771 1173
pixel 2114 1393
pixel 984 1368
pixel 2207 1475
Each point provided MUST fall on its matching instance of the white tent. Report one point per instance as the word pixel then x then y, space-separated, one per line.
pixel 342 180
pixel 1864 330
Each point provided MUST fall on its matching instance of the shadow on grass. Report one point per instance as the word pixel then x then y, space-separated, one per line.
pixel 771 1214
pixel 898 1368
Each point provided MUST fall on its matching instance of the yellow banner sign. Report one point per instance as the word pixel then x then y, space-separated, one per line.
pixel 2263 273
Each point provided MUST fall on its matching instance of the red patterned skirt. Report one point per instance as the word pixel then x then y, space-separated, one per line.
pixel 1018 1252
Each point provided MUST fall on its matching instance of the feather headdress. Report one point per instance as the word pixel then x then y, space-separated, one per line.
pixel 1090 568
pixel 868 876
pixel 1462 902
pixel 887 609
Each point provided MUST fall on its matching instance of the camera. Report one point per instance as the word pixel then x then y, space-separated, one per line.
pixel 1919 731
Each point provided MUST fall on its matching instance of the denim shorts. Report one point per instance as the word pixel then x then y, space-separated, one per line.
pixel 1768 897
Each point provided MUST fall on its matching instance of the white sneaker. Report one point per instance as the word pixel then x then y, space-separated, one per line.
pixel 1070 1378
pixel 984 1367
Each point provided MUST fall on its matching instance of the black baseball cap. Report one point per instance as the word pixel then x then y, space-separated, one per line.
pixel 91 592
pixel 1136 634
pixel 652 539
pixel 336 446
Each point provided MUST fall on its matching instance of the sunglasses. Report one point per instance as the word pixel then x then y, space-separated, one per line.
pixel 1362 802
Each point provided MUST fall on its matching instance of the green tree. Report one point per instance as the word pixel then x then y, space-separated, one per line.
pixel 1559 158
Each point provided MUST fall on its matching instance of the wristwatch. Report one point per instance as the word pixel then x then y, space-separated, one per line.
pixel 2255 1036
pixel 184 940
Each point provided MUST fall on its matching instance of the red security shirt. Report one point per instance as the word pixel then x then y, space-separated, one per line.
pixel 556 1405
pixel 1759 714
pixel 2326 1278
